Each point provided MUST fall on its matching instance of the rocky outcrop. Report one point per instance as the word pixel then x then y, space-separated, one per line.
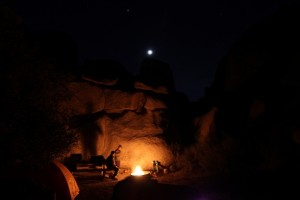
pixel 256 96
pixel 134 113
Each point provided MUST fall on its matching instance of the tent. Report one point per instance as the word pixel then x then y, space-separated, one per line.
pixel 60 180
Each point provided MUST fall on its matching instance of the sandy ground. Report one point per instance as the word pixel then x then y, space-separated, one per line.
pixel 260 186
pixel 93 187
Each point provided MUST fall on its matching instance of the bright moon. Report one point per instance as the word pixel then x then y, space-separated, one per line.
pixel 149 52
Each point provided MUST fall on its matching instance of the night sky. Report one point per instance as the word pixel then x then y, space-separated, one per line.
pixel 191 36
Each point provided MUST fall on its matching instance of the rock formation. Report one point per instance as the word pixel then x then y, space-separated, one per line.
pixel 111 107
pixel 255 98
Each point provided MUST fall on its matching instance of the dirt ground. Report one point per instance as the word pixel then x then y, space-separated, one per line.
pixel 259 186
pixel 94 187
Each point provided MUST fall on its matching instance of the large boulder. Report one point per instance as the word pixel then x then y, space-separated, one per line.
pixel 107 113
pixel 256 96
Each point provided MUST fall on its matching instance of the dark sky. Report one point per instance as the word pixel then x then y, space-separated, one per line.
pixel 191 36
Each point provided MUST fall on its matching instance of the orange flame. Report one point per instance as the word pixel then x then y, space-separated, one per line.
pixel 137 171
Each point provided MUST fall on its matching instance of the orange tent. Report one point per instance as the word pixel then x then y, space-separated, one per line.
pixel 60 181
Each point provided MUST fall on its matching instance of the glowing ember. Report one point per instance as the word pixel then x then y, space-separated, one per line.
pixel 137 171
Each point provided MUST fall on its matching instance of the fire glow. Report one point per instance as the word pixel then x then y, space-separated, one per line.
pixel 137 171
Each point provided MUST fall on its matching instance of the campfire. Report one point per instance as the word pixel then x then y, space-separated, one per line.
pixel 138 171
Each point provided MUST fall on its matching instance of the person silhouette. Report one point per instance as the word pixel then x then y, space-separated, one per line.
pixel 111 165
pixel 118 154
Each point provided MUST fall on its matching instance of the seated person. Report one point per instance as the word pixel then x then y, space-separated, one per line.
pixel 118 153
pixel 111 165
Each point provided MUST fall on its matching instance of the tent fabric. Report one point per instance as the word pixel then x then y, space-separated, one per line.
pixel 72 189
pixel 60 181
